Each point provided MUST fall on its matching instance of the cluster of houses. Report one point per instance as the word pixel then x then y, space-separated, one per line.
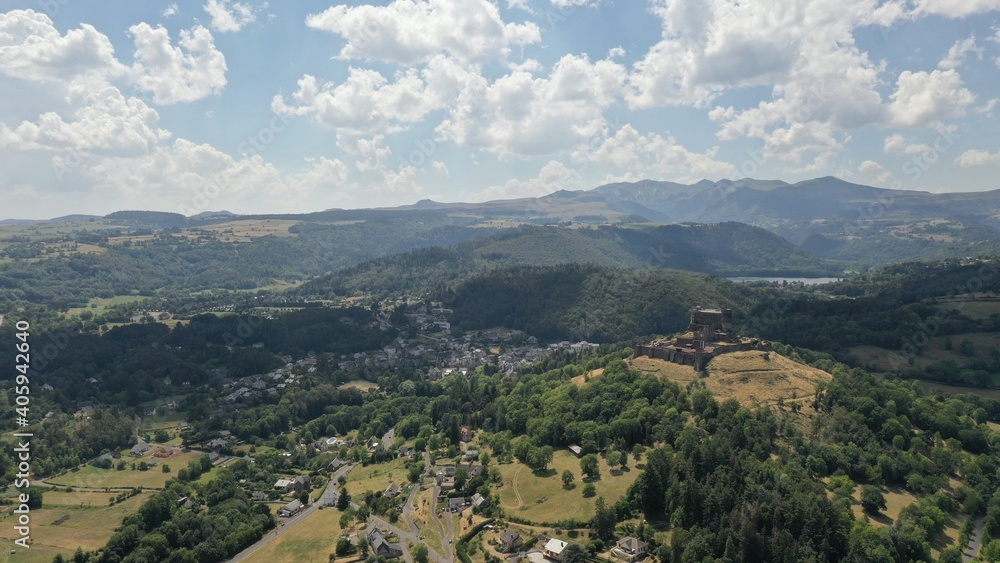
pixel 296 484
pixel 445 475
pixel 373 444
pixel 245 389
pixel 446 356
pixel 629 549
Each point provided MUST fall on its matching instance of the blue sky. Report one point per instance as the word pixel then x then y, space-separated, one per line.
pixel 301 106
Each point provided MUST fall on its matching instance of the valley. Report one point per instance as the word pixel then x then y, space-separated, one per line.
pixel 455 375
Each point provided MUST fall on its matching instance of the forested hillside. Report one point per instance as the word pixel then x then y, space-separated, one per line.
pixel 723 249
pixel 587 302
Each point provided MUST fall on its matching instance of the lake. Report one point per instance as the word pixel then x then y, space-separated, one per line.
pixel 806 281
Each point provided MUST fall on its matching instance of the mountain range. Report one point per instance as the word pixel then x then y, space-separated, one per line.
pixel 826 217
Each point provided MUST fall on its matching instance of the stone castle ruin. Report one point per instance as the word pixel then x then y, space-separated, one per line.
pixel 709 334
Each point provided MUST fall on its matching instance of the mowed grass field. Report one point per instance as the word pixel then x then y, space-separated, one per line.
pixel 153 478
pixel 309 541
pixel 99 306
pixel 542 498
pixel 84 520
pixel 361 384
pixel 376 477
pixel 166 419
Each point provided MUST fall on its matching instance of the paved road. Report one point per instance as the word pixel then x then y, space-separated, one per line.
pixel 389 438
pixel 440 526
pixel 450 556
pixel 450 521
pixel 289 523
pixel 975 542
pixel 408 509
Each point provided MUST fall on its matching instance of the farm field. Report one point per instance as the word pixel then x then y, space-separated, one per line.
pixel 950 390
pixel 247 230
pixel 153 478
pixel 67 521
pixel 99 305
pixel 893 360
pixel 544 499
pixel 974 309
pixel 310 541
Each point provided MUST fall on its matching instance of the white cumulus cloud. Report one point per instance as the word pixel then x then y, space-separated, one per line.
pixel 519 114
pixel 875 171
pixel 410 31
pixel 955 8
pixel 228 16
pixel 31 48
pixel 924 97
pixel 552 177
pixel 101 121
pixel 628 152
pixel 977 157
pixel 369 103
pixel 190 71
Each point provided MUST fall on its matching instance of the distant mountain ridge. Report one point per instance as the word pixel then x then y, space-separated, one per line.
pixel 63 219
pixel 827 216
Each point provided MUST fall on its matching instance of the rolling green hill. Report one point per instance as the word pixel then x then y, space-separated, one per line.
pixel 722 249
pixel 577 302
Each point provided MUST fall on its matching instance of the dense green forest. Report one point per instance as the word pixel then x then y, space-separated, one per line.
pixel 898 308
pixel 588 302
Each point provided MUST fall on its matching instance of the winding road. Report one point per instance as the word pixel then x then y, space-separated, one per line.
pixel 289 523
pixel 975 542
pixel 405 537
